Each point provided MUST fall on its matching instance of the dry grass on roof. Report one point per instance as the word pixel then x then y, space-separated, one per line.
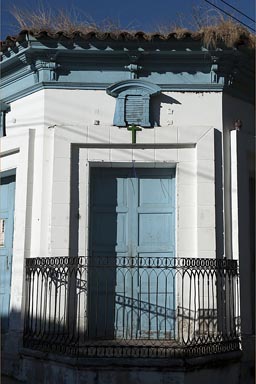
pixel 212 31
pixel 58 20
pixel 228 32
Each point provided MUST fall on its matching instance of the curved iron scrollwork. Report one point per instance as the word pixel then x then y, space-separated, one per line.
pixel 133 307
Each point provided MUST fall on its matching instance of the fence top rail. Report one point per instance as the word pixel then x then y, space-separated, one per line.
pixel 208 264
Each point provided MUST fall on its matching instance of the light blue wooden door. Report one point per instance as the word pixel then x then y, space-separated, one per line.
pixel 7 190
pixel 132 223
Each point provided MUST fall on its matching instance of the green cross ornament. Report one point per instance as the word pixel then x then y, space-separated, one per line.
pixel 134 128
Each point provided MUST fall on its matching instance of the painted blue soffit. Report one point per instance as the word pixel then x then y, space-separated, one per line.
pixel 183 66
pixel 4 107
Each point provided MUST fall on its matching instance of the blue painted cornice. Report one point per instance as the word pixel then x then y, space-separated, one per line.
pixel 4 107
pixel 66 64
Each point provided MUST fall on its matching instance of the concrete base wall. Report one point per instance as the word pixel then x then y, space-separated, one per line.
pixel 39 368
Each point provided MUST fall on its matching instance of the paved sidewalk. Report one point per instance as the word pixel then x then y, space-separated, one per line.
pixel 10 380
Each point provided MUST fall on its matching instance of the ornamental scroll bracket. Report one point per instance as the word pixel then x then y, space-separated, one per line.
pixel 133 67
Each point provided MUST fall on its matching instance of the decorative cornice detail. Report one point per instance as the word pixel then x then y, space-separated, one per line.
pixel 95 66
pixel 134 69
pixel 28 59
pixel 4 107
pixel 100 86
pixel 122 86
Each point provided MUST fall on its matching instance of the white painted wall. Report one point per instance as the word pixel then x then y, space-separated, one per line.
pixel 42 127
pixel 61 117
pixel 71 114
pixel 241 166
pixel 23 121
pixel 242 159
pixel 44 124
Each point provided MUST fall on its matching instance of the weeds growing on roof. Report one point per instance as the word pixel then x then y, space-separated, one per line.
pixel 211 26
pixel 206 24
pixel 54 20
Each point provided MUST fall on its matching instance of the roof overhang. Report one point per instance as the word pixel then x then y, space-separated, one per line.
pixel 184 65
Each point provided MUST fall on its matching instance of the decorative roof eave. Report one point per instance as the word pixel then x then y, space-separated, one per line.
pixel 4 107
pixel 13 46
pixel 187 52
pixel 186 48
pixel 88 34
pixel 112 41
pixel 36 63
pixel 33 51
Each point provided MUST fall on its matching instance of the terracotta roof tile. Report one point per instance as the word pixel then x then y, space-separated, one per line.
pixel 94 34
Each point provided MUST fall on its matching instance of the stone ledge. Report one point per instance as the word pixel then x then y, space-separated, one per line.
pixel 178 364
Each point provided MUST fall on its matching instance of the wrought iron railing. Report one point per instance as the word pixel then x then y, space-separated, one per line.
pixel 143 307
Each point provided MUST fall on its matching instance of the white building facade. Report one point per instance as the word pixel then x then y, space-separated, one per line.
pixel 131 207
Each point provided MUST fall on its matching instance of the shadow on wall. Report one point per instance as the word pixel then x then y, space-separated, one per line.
pixel 156 105
pixel 11 342
pixel 218 194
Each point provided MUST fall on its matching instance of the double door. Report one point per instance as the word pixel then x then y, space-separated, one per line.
pixel 131 292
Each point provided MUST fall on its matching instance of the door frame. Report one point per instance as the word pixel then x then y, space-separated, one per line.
pixel 10 174
pixel 130 165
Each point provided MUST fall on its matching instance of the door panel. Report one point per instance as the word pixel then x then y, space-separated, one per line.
pixel 7 190
pixel 137 230
pixel 155 242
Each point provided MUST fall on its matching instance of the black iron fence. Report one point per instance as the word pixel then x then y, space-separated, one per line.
pixel 134 307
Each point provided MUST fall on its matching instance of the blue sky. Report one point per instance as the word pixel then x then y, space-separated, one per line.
pixel 140 14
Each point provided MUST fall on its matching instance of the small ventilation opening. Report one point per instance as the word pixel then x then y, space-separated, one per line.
pixel 134 109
